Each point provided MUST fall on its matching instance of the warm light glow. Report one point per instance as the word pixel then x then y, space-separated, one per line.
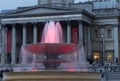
pixel 109 57
pixel 96 56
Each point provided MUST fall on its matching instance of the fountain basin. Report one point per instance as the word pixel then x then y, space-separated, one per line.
pixel 51 55
pixel 51 48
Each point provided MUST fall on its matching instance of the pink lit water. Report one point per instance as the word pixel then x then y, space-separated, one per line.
pixel 52 35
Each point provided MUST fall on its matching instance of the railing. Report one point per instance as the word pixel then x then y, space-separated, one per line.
pixel 104 69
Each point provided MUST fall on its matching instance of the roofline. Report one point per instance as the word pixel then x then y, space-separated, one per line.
pixel 69 8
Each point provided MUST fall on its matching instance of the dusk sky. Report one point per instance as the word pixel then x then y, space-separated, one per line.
pixel 13 4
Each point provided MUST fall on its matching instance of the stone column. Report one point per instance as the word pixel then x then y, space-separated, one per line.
pixel 35 33
pixel 80 28
pixel 13 56
pixel 89 41
pixel 24 34
pixel 3 46
pixel 68 32
pixel 24 37
pixel 116 42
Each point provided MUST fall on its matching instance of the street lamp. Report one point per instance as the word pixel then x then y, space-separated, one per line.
pixel 102 49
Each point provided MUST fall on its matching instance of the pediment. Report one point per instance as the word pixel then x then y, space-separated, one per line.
pixel 44 13
pixel 38 11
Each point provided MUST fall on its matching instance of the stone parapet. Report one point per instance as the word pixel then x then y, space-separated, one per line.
pixel 52 76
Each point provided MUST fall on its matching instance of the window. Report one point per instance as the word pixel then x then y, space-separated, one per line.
pixel 109 33
pixel 109 56
pixel 96 34
pixel 96 56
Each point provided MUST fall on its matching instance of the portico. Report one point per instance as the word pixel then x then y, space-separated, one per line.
pixel 26 30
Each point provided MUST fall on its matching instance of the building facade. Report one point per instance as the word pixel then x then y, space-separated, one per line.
pixel 94 24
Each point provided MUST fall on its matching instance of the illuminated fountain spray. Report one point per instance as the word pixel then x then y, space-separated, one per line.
pixel 52 33
pixel 52 53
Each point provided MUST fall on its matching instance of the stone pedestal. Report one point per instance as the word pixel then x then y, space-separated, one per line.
pixel 51 76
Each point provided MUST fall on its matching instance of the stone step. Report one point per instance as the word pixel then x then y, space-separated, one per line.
pixel 52 76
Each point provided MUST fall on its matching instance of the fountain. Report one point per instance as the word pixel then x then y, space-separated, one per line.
pixel 52 53
pixel 52 60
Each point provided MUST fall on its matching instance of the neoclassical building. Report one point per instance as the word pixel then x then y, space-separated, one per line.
pixel 94 24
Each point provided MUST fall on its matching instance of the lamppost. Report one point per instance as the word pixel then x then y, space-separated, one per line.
pixel 102 49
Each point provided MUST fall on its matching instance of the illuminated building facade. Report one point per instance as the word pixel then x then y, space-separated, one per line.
pixel 94 24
